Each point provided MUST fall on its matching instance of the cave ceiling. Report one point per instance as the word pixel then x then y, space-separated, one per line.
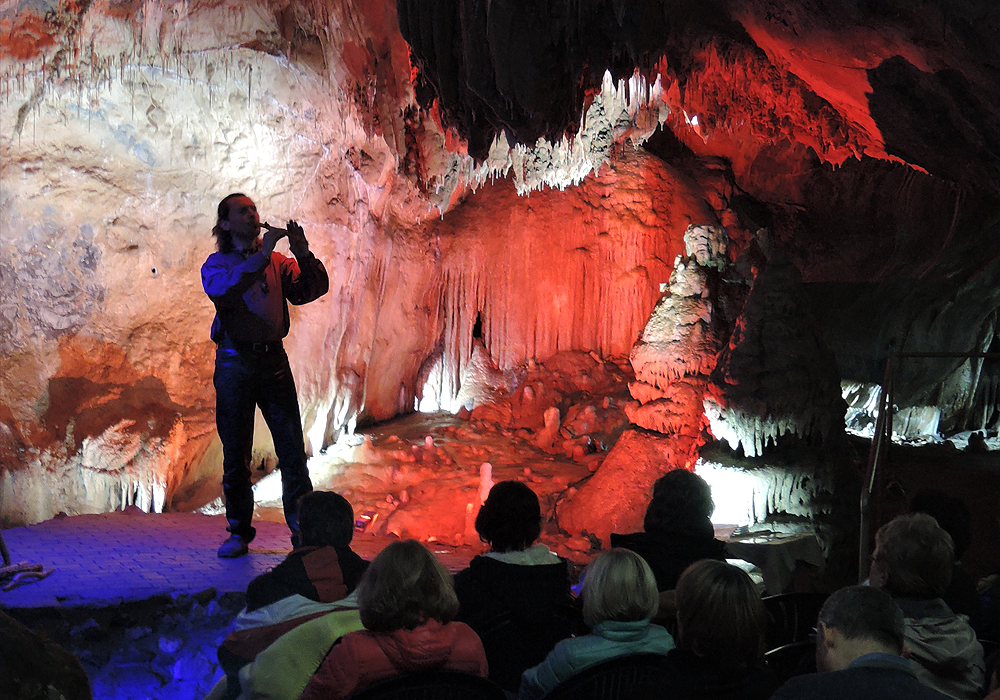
pixel 523 171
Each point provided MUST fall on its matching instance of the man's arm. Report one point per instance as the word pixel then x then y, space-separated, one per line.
pixel 304 279
pixel 225 283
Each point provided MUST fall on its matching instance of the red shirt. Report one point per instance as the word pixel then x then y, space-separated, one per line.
pixel 250 291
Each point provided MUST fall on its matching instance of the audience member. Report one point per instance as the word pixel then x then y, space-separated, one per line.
pixel 516 596
pixel 619 602
pixel 282 670
pixel 859 648
pixel 720 636
pixel 913 561
pixel 303 586
pixel 678 528
pixel 324 568
pixel 952 514
pixel 407 605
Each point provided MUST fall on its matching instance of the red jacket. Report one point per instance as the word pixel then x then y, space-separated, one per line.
pixel 362 658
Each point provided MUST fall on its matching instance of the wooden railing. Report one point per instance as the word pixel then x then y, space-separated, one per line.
pixel 878 455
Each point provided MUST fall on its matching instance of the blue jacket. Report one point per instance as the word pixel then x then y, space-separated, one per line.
pixel 251 292
pixel 608 640
pixel 874 676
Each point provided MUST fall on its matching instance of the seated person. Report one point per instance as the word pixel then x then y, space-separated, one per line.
pixel 953 515
pixel 678 528
pixel 407 605
pixel 619 603
pixel 516 596
pixel 323 570
pixel 720 636
pixel 913 562
pixel 859 652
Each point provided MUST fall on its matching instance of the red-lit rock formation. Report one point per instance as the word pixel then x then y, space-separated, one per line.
pixel 860 134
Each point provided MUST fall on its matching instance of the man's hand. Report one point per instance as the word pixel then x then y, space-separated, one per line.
pixel 271 238
pixel 297 239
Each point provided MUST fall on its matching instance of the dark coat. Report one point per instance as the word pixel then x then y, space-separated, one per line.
pixel 323 574
pixel 669 553
pixel 698 678
pixel 519 612
pixel 870 677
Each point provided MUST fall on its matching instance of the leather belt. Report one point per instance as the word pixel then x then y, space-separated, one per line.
pixel 273 346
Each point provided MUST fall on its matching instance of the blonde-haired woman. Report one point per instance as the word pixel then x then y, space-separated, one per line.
pixel 619 602
pixel 407 604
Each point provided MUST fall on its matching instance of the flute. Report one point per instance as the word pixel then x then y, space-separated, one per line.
pixel 269 227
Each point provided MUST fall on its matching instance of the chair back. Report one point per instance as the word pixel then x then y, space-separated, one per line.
pixel 513 645
pixel 432 685
pixel 631 677
pixel 792 617
pixel 793 659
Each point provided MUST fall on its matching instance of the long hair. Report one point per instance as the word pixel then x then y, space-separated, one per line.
pixel 404 587
pixel 720 615
pixel 223 238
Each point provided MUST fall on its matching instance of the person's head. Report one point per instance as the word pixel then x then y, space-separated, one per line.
pixel 237 222
pixel 855 621
pixel 682 500
pixel 720 614
pixel 914 557
pixel 619 585
pixel 951 513
pixel 326 519
pixel 404 587
pixel 511 518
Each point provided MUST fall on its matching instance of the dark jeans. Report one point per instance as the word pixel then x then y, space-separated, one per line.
pixel 243 380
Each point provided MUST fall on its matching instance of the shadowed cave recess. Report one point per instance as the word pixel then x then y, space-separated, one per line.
pixel 579 244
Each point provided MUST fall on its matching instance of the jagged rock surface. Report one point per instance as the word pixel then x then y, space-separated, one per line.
pixel 122 125
pixel 776 376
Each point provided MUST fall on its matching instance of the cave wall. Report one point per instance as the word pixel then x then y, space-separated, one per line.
pixel 109 184
pixel 123 124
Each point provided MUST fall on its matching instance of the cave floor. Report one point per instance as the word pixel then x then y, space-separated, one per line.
pixel 411 477
pixel 106 559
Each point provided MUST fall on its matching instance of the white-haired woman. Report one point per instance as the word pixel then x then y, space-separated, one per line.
pixel 619 602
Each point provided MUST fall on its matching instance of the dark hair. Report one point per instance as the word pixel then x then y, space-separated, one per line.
pixel 326 519
pixel 863 612
pixel 682 501
pixel 511 518
pixel 951 513
pixel 223 238
pixel 404 587
pixel 720 615
pixel 917 555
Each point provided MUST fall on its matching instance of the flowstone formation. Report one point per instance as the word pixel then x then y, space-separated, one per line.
pixel 679 345
pixel 672 360
pixel 131 123
pixel 465 172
